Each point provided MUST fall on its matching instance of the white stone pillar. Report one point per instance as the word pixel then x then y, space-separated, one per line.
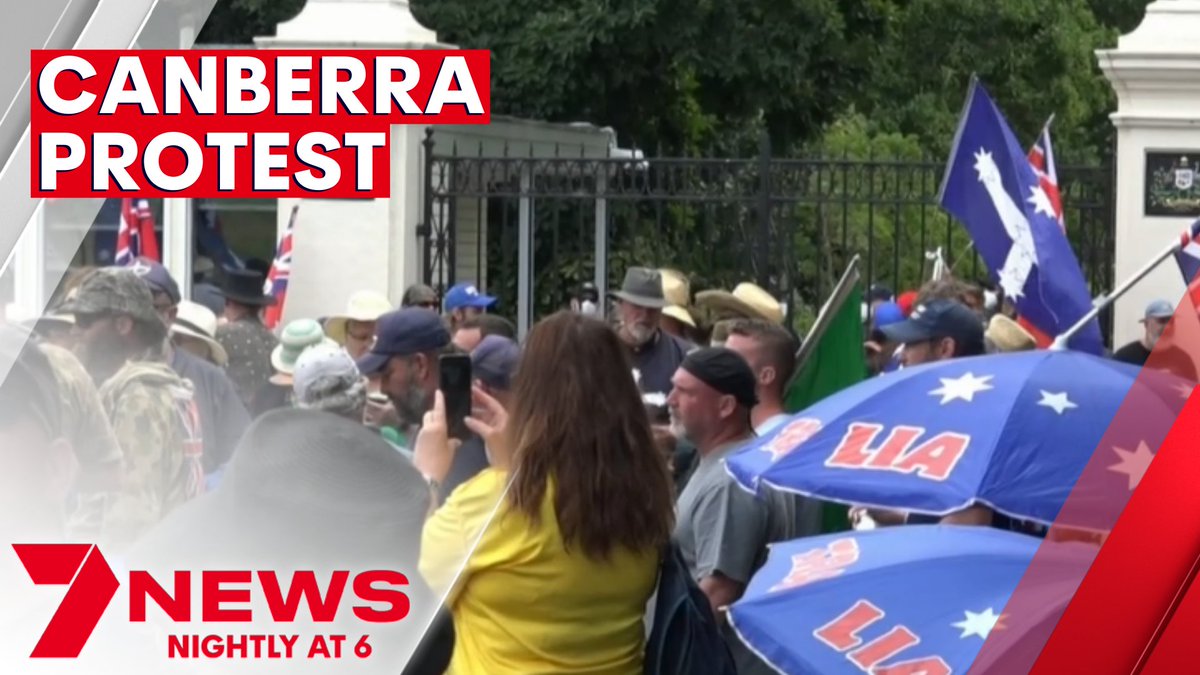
pixel 345 245
pixel 1155 72
pixel 29 266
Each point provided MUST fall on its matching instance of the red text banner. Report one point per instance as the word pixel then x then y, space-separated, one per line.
pixel 250 123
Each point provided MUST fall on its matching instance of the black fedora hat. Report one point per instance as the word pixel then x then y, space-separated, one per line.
pixel 247 287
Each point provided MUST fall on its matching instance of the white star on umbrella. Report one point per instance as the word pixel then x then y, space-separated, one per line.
pixel 978 623
pixel 1056 402
pixel 964 387
pixel 1041 202
pixel 1185 390
pixel 1133 464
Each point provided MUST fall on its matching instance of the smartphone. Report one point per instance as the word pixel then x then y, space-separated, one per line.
pixel 456 391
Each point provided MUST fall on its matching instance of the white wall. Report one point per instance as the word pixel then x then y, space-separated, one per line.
pixel 1155 72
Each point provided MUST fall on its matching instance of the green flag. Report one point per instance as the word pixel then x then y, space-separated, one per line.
pixel 836 361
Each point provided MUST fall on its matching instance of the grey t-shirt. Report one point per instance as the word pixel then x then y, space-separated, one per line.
pixel 722 528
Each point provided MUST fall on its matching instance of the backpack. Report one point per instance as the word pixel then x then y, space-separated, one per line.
pixel 685 638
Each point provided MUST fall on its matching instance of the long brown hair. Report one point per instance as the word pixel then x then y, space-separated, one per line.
pixel 577 418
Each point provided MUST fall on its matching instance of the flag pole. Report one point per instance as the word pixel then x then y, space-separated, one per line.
pixel 831 307
pixel 1100 303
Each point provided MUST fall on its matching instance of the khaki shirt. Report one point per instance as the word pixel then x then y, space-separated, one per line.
pixel 143 402
pixel 86 427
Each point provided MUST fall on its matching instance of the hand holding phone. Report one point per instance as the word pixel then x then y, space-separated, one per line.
pixel 455 386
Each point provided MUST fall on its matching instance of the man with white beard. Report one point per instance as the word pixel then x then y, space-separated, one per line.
pixel 656 354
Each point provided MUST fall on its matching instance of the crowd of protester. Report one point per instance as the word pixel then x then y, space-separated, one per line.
pixel 167 429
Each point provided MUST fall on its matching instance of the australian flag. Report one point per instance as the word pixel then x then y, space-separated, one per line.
pixel 993 189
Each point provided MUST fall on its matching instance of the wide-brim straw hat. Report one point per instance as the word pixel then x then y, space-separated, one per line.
pixel 747 300
pixel 677 291
pixel 680 314
pixel 1008 335
pixel 362 306
pixel 197 321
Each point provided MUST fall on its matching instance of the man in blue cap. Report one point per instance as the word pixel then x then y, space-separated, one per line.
pixel 936 331
pixel 464 301
pixel 883 355
pixel 1154 322
pixel 1158 337
pixel 408 342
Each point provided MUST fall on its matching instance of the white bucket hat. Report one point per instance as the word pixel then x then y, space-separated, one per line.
pixel 197 321
pixel 362 306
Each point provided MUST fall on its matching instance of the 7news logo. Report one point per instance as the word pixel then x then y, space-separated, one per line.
pixel 92 585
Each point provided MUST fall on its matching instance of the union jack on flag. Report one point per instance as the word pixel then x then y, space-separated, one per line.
pixel 136 237
pixel 281 270
pixel 1041 156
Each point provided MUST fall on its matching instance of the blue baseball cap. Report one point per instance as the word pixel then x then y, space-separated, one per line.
pixel 407 331
pixel 886 314
pixel 466 295
pixel 494 361
pixel 1159 309
pixel 939 319
pixel 154 275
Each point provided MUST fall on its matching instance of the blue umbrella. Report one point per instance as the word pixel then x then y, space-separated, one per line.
pixel 1011 431
pixel 917 598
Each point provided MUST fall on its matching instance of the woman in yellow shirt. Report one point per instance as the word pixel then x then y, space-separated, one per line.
pixel 550 556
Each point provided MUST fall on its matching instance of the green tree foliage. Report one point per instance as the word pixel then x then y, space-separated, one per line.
pixel 705 75
pixel 875 201
pixel 677 73
pixel 240 21
pixel 1035 57
pixel 1121 15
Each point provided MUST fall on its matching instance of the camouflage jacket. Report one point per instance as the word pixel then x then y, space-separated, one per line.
pixel 86 427
pixel 157 426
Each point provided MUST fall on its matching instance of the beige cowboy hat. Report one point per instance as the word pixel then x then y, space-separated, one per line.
pixel 362 306
pixel 677 292
pixel 1008 335
pixel 747 300
pixel 197 321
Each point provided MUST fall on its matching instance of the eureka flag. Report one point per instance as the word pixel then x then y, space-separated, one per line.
pixel 993 189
